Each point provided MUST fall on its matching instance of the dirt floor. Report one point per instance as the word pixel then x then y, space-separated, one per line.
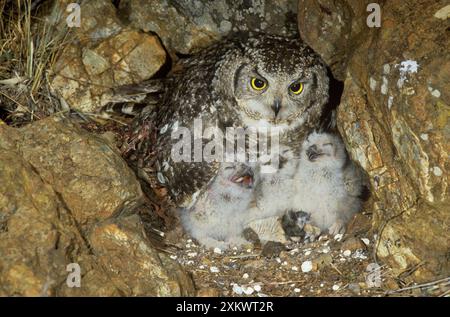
pixel 326 267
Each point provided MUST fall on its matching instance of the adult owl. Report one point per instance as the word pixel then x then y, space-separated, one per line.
pixel 249 80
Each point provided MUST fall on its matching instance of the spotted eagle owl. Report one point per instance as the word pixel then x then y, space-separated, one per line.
pixel 249 80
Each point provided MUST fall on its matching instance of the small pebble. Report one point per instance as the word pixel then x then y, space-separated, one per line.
pixel 284 263
pixel 257 288
pixel 189 241
pixel 307 252
pixel 245 276
pixel 278 260
pixel 294 268
pixel 297 290
pixel 366 241
pixel 306 266
pixel 173 257
pixel 237 289
pixel 201 267
pixel 214 269
pixel 192 254
pixel 217 251
pixel 326 250
pixel 248 290
pixel 347 253
pixel 335 287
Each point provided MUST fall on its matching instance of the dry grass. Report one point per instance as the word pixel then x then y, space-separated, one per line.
pixel 31 39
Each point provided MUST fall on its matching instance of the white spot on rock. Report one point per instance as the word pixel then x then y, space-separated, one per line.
pixel 443 13
pixel 372 83
pixel 437 171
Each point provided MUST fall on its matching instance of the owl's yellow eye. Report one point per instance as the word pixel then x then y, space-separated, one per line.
pixel 296 88
pixel 258 84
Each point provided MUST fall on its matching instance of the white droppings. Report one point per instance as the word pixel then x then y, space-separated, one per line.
pixel 257 288
pixel 214 269
pixel 296 290
pixel 390 102
pixel 384 85
pixel 424 136
pixel 278 260
pixel 365 241
pixel 237 289
pixel 338 237
pixel 406 67
pixel 217 251
pixel 306 266
pixel 294 268
pixel 436 93
pixel 437 171
pixel 248 290
pixel 245 276
pixel 335 287
pixel 372 83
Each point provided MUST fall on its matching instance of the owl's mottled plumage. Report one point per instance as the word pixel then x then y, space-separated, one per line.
pixel 214 86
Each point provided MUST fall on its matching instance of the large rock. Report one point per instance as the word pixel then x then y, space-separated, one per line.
pixel 103 54
pixel 64 198
pixel 394 117
pixel 185 26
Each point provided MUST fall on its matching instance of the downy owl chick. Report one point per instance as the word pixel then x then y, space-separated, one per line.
pixel 329 185
pixel 218 218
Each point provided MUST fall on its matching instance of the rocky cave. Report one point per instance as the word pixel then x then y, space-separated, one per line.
pixel 68 196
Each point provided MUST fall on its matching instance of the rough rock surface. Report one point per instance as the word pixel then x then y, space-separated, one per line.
pixel 103 54
pixel 65 197
pixel 196 24
pixel 394 117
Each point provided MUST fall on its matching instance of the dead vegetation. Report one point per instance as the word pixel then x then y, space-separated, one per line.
pixel 31 40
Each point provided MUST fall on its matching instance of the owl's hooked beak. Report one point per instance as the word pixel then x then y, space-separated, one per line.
pixel 276 106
